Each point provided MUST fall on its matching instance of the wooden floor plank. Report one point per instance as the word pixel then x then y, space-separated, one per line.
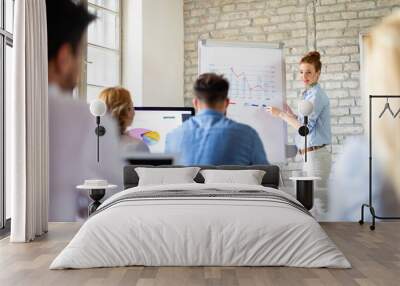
pixel 375 257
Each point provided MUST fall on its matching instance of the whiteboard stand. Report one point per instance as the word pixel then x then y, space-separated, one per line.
pixel 222 43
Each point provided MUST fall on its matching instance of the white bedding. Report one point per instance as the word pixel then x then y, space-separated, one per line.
pixel 200 231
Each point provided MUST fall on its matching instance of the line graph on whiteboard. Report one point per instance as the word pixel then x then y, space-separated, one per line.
pixel 250 85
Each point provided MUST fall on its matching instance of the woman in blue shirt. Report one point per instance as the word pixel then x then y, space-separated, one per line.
pixel 318 157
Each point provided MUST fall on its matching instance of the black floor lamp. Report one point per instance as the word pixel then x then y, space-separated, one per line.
pixel 305 109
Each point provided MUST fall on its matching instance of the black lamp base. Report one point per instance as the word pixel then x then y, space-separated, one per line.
pixel 100 131
pixel 303 130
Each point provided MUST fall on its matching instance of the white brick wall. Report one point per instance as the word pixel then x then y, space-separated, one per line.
pixel 337 25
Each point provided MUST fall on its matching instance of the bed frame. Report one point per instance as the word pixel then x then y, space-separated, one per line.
pixel 270 179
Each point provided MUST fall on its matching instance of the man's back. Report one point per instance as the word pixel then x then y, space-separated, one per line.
pixel 210 138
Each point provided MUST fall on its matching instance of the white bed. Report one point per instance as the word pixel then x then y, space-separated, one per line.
pixel 185 230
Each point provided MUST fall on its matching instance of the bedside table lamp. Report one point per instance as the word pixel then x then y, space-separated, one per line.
pixel 98 108
pixel 305 109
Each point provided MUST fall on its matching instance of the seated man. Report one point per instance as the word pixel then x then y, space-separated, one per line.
pixel 210 138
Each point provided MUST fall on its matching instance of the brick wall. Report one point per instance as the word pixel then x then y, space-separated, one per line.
pixel 330 26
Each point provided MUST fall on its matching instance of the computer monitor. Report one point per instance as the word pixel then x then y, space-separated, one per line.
pixel 152 124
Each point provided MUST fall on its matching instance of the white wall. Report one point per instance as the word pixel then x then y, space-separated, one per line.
pixel 152 51
pixel 132 48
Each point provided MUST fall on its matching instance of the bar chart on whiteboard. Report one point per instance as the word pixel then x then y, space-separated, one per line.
pixel 255 75
pixel 250 85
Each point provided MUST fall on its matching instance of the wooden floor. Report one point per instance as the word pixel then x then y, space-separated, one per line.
pixel 375 257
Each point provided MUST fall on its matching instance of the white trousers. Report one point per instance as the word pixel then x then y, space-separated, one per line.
pixel 319 163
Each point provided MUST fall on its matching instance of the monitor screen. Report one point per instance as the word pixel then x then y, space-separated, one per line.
pixel 152 124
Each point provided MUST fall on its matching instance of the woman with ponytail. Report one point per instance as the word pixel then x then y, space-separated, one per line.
pixel 120 106
pixel 319 124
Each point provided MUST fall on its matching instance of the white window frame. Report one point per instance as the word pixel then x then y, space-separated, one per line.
pixel 82 92
pixel 6 39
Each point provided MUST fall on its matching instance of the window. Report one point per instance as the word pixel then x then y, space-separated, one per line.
pixel 103 64
pixel 6 44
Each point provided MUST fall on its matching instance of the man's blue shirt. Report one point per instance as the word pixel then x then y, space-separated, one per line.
pixel 210 138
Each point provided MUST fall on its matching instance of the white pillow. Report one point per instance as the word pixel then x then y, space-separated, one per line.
pixel 248 177
pixel 166 176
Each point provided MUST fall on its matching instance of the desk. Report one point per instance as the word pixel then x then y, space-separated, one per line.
pixel 305 190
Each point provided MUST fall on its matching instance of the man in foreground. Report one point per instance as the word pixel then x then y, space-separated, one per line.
pixel 71 126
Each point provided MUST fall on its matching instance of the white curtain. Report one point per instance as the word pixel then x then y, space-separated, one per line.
pixel 27 122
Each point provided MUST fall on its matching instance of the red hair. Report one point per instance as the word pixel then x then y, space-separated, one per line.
pixel 118 101
pixel 313 58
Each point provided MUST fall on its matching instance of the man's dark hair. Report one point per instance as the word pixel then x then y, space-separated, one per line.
pixel 211 88
pixel 66 23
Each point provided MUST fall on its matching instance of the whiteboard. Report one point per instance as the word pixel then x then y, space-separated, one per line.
pixel 256 74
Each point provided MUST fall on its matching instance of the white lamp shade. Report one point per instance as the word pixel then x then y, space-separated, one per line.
pixel 98 107
pixel 305 107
